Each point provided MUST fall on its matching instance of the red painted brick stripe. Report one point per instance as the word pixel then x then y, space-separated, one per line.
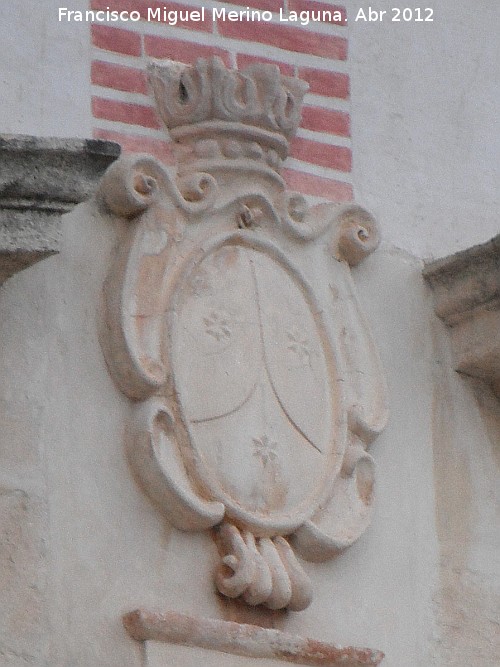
pixel 285 37
pixel 124 112
pixel 244 60
pixel 271 5
pixel 314 6
pixel 142 7
pixel 308 184
pixel 180 50
pixel 323 82
pixel 119 77
pixel 134 144
pixel 324 155
pixel 117 40
pixel 326 120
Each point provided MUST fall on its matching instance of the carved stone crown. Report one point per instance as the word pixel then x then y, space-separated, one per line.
pixel 213 112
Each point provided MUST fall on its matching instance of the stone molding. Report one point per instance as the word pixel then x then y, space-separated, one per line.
pixel 244 640
pixel 466 292
pixel 42 178
pixel 231 319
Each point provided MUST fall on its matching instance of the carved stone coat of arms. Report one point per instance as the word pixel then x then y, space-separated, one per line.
pixel 231 320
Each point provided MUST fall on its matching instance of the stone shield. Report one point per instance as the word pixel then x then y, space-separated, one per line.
pixel 252 369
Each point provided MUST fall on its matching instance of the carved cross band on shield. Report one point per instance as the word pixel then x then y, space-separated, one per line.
pixel 231 320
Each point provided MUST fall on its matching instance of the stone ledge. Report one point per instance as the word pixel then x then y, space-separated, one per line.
pixel 248 641
pixel 40 179
pixel 466 291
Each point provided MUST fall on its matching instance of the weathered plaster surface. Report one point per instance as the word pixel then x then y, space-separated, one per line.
pixel 44 70
pixel 24 540
pixel 108 551
pixel 466 435
pixel 425 99
pixel 23 623
pixel 107 548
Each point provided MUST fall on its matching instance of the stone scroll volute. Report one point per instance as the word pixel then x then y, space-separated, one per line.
pixel 232 322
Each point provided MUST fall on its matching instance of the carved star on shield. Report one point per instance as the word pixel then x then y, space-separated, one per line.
pixel 264 449
pixel 217 324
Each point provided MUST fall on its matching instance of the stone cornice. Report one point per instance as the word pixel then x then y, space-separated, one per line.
pixel 40 179
pixel 466 289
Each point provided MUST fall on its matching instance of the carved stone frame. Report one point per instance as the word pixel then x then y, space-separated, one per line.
pixel 228 207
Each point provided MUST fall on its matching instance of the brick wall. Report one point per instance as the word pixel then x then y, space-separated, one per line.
pixel 320 158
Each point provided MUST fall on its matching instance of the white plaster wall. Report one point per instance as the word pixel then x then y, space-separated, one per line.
pixel 90 546
pixel 426 134
pixel 466 435
pixel 107 550
pixel 44 70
